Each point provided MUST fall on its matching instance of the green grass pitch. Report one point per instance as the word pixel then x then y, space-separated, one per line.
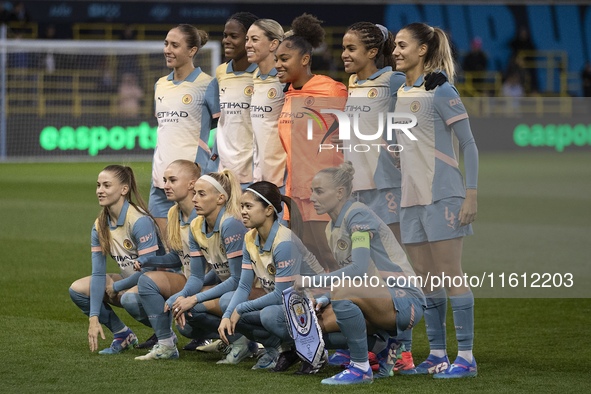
pixel 534 216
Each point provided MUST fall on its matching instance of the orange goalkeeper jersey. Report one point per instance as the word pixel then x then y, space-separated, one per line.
pixel 304 159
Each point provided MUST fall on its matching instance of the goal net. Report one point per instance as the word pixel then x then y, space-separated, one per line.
pixel 68 100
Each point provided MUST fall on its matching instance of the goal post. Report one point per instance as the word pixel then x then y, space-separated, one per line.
pixel 69 100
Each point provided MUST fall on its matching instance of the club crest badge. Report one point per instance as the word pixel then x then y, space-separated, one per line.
pixel 303 327
pixel 415 106
pixel 249 90
pixel 309 101
pixel 187 99
pixel 373 93
pixel 271 269
pixel 342 244
pixel 272 93
pixel 127 244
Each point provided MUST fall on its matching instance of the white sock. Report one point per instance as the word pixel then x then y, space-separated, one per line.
pixel 466 355
pixel 364 366
pixel 438 352
pixel 167 342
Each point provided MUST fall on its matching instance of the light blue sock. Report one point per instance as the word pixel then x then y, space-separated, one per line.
pixel 435 318
pixel 153 304
pixel 133 305
pixel 463 311
pixel 335 340
pixel 106 315
pixel 352 324
pixel 404 338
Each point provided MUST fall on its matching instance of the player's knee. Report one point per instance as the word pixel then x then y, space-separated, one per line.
pixel 345 309
pixel 130 301
pixel 146 285
pixel 225 300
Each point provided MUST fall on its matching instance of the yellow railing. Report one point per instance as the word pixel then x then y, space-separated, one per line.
pixel 554 63
pixel 23 30
pixel 151 32
pixel 68 92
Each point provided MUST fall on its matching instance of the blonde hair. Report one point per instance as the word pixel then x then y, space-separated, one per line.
pixel 230 183
pixel 439 56
pixel 173 230
pixel 341 176
pixel 272 29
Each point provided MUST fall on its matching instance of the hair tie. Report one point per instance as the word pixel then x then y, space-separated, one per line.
pixel 384 31
pixel 263 198
pixel 215 184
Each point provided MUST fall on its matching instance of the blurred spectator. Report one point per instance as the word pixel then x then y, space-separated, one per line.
pixel 107 81
pixel 5 14
pixel 476 61
pixel 130 96
pixel 128 63
pixel 128 33
pixel 20 13
pixel 513 91
pixel 18 59
pixel 522 43
pixel 49 60
pixel 515 67
pixel 586 79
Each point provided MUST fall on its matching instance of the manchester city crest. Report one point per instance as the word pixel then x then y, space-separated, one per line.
pixel 127 244
pixel 373 93
pixel 187 99
pixel 299 312
pixel 249 90
pixel 415 106
pixel 272 93
pixel 271 269
pixel 342 244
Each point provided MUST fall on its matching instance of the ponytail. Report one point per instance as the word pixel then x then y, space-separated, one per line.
pixel 438 56
pixel 174 240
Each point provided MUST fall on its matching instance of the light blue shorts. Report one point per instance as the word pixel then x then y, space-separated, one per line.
pixel 384 202
pixel 435 222
pixel 410 305
pixel 158 204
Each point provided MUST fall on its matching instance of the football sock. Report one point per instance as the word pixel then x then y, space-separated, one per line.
pixel 352 324
pixel 463 312
pixel 364 366
pixel 405 340
pixel 153 304
pixel 106 314
pixel 435 319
